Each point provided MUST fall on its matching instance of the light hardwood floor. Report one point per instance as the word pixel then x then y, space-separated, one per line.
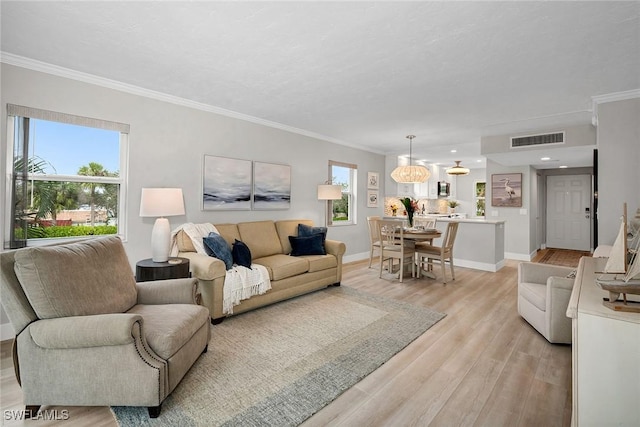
pixel 482 365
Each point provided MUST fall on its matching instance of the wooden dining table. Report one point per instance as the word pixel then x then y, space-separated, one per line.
pixel 414 235
pixel 421 235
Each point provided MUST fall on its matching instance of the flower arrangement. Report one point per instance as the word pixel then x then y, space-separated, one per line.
pixel 410 207
pixel 394 209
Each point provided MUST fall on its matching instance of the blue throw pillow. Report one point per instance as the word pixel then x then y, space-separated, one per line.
pixel 241 254
pixel 311 245
pixel 307 230
pixel 216 246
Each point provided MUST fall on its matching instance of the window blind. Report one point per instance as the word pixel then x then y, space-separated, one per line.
pixel 54 116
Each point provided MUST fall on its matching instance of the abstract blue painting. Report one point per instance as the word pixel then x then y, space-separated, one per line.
pixel 271 186
pixel 226 184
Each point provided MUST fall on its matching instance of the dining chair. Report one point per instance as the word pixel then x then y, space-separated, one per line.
pixel 393 246
pixel 374 240
pixel 424 222
pixel 441 254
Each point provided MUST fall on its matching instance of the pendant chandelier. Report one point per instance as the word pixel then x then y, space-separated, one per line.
pixel 457 169
pixel 410 174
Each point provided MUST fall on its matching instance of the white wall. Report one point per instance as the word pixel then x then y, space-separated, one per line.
pixel 618 164
pixel 166 148
pixel 618 143
pixel 517 230
pixel 522 226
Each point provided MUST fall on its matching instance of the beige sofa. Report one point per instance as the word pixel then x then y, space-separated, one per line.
pixel 269 244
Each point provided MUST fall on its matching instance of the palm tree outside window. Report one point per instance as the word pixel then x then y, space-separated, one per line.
pixel 68 176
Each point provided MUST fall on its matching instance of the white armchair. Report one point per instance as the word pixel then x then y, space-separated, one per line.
pixel 543 296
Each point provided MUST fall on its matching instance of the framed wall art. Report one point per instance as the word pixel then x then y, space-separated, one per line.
pixel 373 180
pixel 506 190
pixel 226 183
pixel 372 198
pixel 271 186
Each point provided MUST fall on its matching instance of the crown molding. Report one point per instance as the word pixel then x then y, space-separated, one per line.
pixel 616 96
pixel 611 97
pixel 44 67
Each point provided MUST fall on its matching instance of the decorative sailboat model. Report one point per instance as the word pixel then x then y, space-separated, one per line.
pixel 622 272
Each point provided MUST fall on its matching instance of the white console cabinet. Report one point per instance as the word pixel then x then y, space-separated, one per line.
pixel 605 355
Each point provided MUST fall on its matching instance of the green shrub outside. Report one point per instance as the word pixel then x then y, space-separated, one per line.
pixel 66 231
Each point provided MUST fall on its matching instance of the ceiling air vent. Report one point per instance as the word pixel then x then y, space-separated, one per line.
pixel 542 139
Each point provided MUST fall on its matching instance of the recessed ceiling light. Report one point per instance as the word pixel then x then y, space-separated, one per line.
pixel 454 151
pixel 479 161
pixel 544 159
pixel 563 167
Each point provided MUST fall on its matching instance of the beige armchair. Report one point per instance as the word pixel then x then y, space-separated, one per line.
pixel 88 335
pixel 543 296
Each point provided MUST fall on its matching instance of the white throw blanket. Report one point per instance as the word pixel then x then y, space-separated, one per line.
pixel 240 282
pixel 243 283
pixel 195 232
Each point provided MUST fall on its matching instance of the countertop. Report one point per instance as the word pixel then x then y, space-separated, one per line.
pixel 445 218
pixel 472 220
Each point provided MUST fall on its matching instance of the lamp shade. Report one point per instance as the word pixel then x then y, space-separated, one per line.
pixel 457 169
pixel 410 174
pixel 161 202
pixel 329 192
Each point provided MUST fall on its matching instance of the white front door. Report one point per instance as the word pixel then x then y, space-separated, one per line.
pixel 569 212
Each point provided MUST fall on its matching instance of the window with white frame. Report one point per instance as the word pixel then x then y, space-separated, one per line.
pixel 67 176
pixel 343 211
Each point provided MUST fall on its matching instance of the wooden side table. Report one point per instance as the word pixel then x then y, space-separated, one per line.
pixel 147 270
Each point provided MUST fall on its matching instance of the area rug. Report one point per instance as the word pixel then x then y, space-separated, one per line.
pixel 278 365
pixel 566 257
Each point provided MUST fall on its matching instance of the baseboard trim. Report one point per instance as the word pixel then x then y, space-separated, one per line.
pixel 355 257
pixel 517 257
pixel 478 265
pixel 483 266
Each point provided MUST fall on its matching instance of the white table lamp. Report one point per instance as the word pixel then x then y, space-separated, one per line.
pixel 161 202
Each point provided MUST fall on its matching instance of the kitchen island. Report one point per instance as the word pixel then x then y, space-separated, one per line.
pixel 479 243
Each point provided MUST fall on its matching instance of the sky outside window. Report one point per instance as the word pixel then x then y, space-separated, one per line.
pixel 66 148
pixel 341 175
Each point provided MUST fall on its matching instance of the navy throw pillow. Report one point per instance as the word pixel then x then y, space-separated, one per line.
pixel 241 254
pixel 307 230
pixel 215 246
pixel 311 245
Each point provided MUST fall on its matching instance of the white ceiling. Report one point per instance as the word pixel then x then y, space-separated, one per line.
pixel 364 74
